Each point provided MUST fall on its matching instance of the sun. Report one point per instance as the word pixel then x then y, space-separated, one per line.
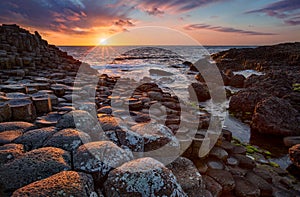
pixel 103 41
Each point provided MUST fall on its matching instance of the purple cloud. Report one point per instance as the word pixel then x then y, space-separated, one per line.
pixel 69 16
pixel 284 9
pixel 225 29
pixel 155 11
pixel 158 7
pixel 293 21
pixel 122 23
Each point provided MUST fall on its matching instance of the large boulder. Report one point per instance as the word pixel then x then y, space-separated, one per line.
pixel 67 139
pixel 33 166
pixel 18 125
pixel 142 177
pixel 127 139
pixel 277 117
pixel 200 90
pixel 155 135
pixel 245 101
pixel 77 119
pixel 81 120
pixel 109 123
pixel 99 158
pixel 66 183
pixel 35 138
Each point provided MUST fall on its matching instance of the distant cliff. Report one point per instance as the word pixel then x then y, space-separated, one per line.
pixel 19 49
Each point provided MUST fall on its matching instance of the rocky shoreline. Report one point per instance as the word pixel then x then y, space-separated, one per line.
pixel 53 143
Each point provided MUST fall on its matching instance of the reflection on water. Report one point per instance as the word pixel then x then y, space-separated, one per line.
pixel 273 144
pixel 239 129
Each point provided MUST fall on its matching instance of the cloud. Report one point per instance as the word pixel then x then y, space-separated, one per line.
pixel 293 21
pixel 159 7
pixel 123 23
pixel 155 11
pixel 88 16
pixel 68 16
pixel 284 9
pixel 225 29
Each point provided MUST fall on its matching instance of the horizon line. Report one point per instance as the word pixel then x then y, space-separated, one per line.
pixel 237 45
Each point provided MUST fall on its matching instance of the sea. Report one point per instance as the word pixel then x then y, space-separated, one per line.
pixel 104 55
pixel 136 62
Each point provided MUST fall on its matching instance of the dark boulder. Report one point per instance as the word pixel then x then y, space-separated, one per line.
pixel 67 139
pixel 99 158
pixel 67 183
pixel 237 81
pixel 242 104
pixel 34 139
pixel 199 90
pixel 275 116
pixel 142 177
pixel 33 166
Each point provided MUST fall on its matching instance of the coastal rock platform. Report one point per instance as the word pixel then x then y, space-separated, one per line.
pixel 54 141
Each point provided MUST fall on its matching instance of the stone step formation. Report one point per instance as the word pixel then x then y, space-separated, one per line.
pixel 57 141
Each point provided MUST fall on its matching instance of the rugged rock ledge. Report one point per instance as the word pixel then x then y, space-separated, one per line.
pixel 262 58
pixel 21 50
pixel 53 144
pixel 269 102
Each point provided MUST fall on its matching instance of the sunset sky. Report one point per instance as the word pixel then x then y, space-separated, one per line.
pixel 131 22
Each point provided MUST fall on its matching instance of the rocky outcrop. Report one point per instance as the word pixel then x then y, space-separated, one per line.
pixel 21 49
pixel 275 116
pixel 260 58
pixel 243 103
